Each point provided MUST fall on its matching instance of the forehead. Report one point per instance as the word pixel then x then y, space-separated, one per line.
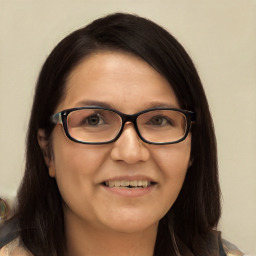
pixel 121 80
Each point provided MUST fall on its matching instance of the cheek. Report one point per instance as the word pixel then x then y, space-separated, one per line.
pixel 75 158
pixel 173 162
pixel 81 165
pixel 76 166
pixel 174 159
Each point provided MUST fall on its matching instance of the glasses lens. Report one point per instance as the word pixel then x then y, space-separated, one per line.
pixel 93 125
pixel 161 126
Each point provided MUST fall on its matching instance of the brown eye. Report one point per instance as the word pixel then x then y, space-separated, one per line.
pixel 93 120
pixel 160 121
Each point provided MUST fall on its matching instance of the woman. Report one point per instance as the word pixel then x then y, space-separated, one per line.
pixel 121 151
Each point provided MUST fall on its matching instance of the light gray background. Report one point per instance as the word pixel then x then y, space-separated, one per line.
pixel 220 36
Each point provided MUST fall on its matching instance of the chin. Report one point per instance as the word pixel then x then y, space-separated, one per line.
pixel 132 223
pixel 130 228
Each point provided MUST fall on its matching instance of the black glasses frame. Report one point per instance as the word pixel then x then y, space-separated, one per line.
pixel 61 117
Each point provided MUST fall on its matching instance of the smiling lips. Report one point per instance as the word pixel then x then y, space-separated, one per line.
pixel 128 184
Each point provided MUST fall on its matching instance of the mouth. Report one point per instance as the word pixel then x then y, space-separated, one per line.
pixel 132 184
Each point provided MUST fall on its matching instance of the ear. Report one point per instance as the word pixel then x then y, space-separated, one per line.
pixel 43 142
pixel 190 162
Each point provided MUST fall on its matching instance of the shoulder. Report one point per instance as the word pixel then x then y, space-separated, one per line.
pixel 230 249
pixel 14 248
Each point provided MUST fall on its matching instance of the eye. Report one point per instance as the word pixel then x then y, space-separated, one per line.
pixel 160 121
pixel 93 120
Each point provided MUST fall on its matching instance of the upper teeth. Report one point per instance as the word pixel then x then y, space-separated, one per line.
pixel 127 183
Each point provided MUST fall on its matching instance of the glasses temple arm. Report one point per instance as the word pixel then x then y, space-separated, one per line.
pixel 56 118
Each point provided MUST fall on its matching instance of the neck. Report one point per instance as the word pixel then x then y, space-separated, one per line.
pixel 85 240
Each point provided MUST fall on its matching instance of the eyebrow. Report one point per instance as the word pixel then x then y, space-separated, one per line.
pixel 155 104
pixel 94 103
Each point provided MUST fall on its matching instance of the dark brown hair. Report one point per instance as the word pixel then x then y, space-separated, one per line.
pixel 197 209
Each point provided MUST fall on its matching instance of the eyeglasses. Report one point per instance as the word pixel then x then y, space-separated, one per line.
pixel 99 125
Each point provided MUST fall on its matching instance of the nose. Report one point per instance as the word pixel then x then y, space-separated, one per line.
pixel 129 147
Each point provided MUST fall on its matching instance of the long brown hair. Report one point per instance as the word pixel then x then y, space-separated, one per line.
pixel 197 209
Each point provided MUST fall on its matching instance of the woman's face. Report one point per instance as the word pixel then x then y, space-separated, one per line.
pixel 129 85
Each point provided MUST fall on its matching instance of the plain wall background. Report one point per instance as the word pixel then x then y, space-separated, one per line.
pixel 220 36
